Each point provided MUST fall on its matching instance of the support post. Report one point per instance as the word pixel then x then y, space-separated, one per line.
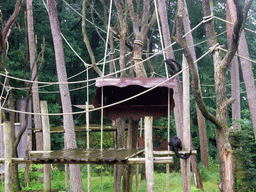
pixel 186 126
pixel 47 144
pixel 88 145
pixel 149 154
pixel 8 156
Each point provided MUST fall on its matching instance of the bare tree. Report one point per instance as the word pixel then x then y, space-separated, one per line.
pixel 75 173
pixel 220 68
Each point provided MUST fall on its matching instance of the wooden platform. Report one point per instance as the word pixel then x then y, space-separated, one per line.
pixel 85 156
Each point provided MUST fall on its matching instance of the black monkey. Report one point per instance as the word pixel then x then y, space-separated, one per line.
pixel 129 44
pixel 176 146
pixel 173 67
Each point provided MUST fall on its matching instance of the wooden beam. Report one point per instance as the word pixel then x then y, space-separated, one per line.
pixel 194 152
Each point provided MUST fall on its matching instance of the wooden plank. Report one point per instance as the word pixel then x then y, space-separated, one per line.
pixel 85 155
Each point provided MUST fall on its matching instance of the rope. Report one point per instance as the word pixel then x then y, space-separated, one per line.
pixel 106 43
pixel 111 74
pixel 85 64
pixel 95 109
pixel 233 24
pixel 85 18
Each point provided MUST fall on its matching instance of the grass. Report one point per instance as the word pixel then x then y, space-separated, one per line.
pixel 210 182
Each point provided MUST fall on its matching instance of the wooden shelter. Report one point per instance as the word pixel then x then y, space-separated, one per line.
pixel 134 97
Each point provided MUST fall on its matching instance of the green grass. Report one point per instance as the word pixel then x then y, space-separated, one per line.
pixel 210 182
pixel 175 182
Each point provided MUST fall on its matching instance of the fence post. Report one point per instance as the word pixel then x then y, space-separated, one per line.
pixel 8 156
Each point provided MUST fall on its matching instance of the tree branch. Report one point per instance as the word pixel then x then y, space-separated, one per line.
pixel 238 27
pixel 194 75
pixel 87 42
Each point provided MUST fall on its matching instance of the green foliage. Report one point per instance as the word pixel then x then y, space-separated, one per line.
pixel 35 177
pixel 244 147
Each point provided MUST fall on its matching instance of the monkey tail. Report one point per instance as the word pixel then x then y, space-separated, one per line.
pixel 186 156
pixel 182 156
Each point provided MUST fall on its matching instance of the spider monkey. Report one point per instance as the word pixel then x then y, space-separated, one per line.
pixel 176 146
pixel 129 44
pixel 173 67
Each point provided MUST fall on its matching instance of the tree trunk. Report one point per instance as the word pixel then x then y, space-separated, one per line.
pixel 75 173
pixel 120 123
pixel 200 118
pixel 33 68
pixel 220 68
pixel 248 79
pixel 122 17
pixel 170 54
pixel 246 69
pixel 178 93
pixel 15 168
pixel 132 139
pixel 87 42
pixel 234 69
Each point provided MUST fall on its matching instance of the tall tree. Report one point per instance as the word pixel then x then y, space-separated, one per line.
pixel 75 172
pixel 200 118
pixel 34 72
pixel 234 68
pixel 220 68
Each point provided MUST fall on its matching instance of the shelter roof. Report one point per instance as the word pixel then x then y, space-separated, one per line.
pixel 140 81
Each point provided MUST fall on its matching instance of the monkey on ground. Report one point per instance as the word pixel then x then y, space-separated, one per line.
pixel 176 146
pixel 173 67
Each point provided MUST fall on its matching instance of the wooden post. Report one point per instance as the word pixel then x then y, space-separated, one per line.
pixel 26 177
pixel 88 145
pixel 66 165
pixel 149 154
pixel 186 126
pixel 8 156
pixel 47 144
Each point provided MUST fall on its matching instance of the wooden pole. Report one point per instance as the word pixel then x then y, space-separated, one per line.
pixel 47 144
pixel 168 139
pixel 149 154
pixel 1 147
pixel 26 177
pixel 66 165
pixel 186 126
pixel 8 156
pixel 88 145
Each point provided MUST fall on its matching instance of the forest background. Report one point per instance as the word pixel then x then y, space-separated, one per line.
pixel 17 61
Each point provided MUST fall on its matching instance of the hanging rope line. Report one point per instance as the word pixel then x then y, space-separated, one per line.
pixel 95 109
